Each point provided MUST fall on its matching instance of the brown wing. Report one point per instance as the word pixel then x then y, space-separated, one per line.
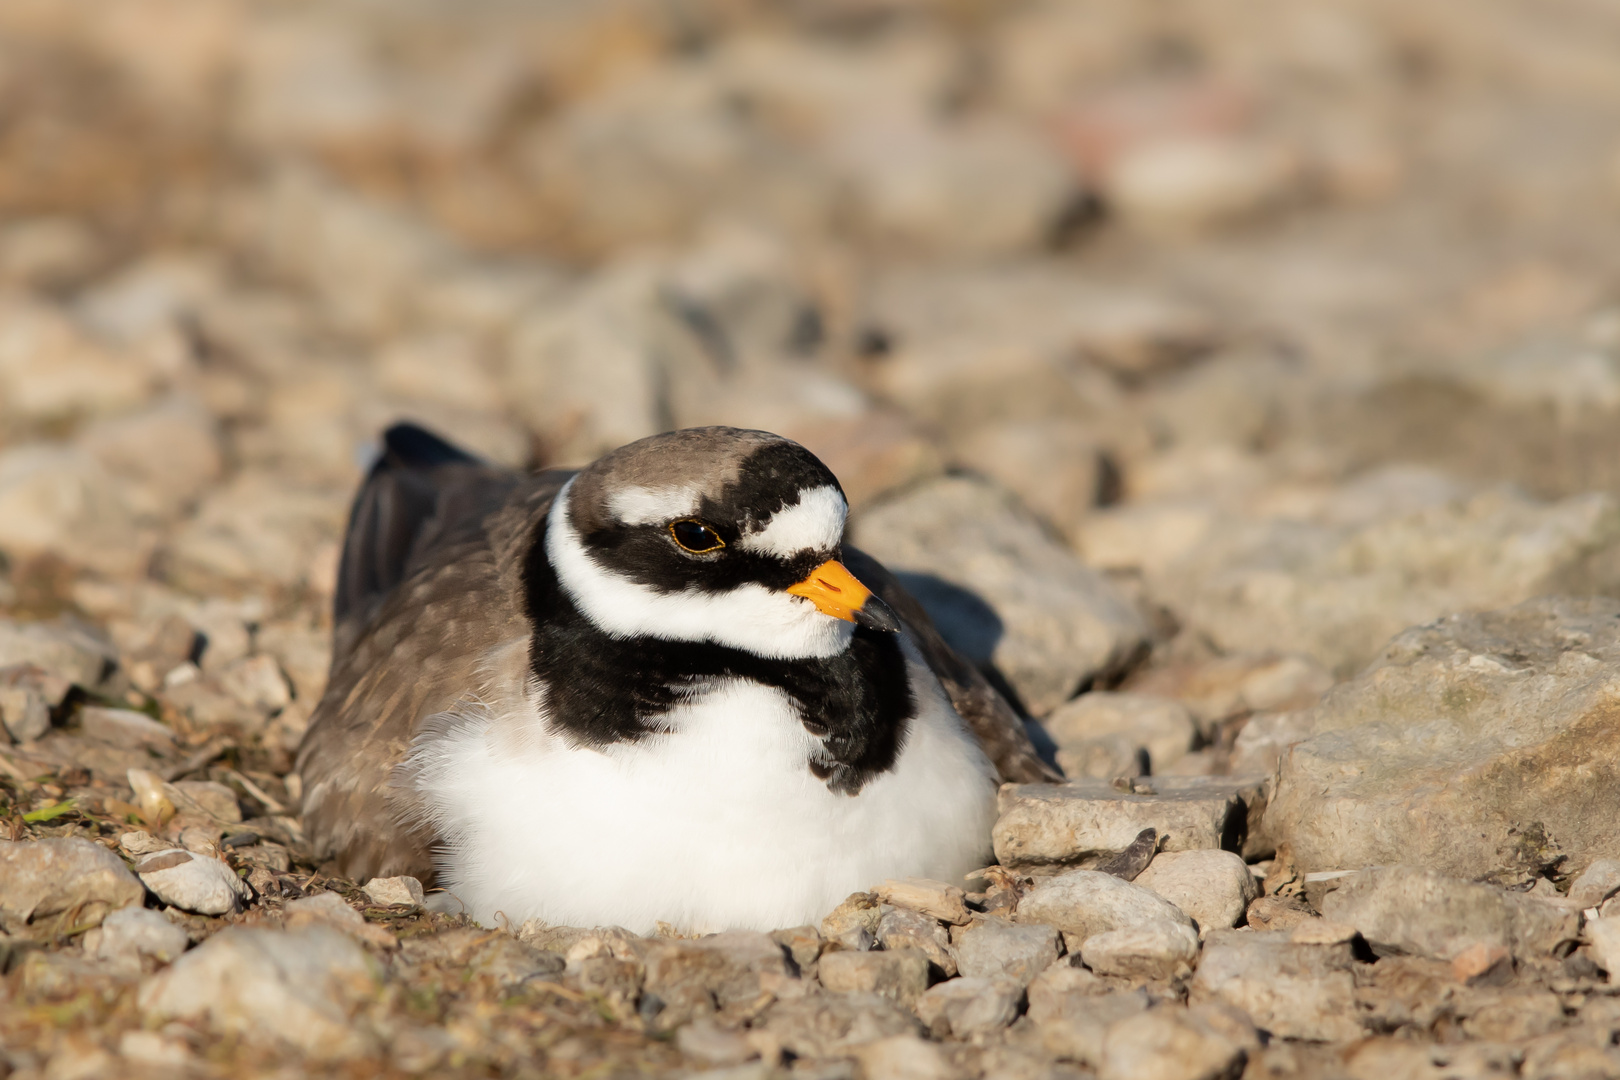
pixel 999 729
pixel 429 584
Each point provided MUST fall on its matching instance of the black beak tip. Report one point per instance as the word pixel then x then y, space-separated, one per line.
pixel 877 615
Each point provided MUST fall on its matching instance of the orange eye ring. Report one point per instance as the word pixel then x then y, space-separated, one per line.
pixel 694 536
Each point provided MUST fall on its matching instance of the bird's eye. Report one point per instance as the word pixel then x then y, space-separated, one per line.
pixel 696 537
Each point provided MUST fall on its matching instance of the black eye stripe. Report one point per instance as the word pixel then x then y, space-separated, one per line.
pixel 695 536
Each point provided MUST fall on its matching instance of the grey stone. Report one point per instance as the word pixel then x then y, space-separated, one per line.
pixel 274 987
pixel 62 649
pixel 404 890
pixel 1214 887
pixel 968 1006
pixel 1065 824
pixel 24 713
pixel 826 1025
pixel 134 932
pixel 193 882
pixel 40 878
pixel 165 455
pixel 1082 903
pixel 1163 727
pixel 992 948
pixel 1000 589
pixel 331 910
pixel 1072 1010
pixel 899 976
pixel 1406 909
pixel 1157 949
pixel 1468 747
pixel 1596 883
pixel 59 501
pixel 1204 1042
pixel 1294 991
pixel 900 928
pixel 125 727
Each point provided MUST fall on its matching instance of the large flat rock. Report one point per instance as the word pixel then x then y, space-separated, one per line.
pixel 1476 745
pixel 1067 824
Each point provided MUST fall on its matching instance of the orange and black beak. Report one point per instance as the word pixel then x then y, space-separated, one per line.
pixel 835 592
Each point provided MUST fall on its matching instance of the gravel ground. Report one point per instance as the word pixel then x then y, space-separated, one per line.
pixel 1239 387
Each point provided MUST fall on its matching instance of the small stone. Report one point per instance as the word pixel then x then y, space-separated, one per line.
pixel 710 1044
pixel 859 912
pixel 900 928
pixel 967 1007
pixel 330 909
pixel 62 649
pixel 1064 824
pixel 1072 1010
pixel 24 713
pixel 827 1025
pixel 135 932
pixel 1597 883
pixel 1604 936
pixel 256 682
pixel 803 944
pixel 992 948
pixel 904 1057
pixel 1279 913
pixel 1082 903
pixel 40 878
pixel 1163 727
pixel 1171 1043
pixel 1152 950
pixel 900 976
pixel 193 882
pixel 139 842
pixel 933 898
pixel 1322 932
pixel 1214 887
pixel 1411 910
pixel 1294 991
pixel 153 1050
pixel 404 890
pixel 125 727
pixel 271 987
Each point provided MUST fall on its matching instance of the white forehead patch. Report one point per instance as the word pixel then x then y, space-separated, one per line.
pixel 644 506
pixel 814 523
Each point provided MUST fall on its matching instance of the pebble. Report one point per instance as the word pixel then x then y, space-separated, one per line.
pixel 330 910
pixel 904 1057
pixel 1157 949
pixel 125 727
pixel 1164 728
pixel 42 878
pixel 294 988
pixel 967 1007
pixel 1293 990
pixel 900 976
pixel 827 1025
pixel 1604 935
pixel 1083 903
pixel 1421 912
pixel 60 648
pixel 1063 824
pixel 24 713
pixel 193 882
pixel 1215 888
pixel 405 891
pixel 1596 883
pixel 992 948
pixel 134 932
pixel 900 928
pixel 1171 1043
pixel 933 898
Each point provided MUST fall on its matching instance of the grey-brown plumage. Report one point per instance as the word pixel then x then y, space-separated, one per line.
pixel 430 590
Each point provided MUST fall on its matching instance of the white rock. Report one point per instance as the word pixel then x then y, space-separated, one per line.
pixel 256 682
pixel 153 1050
pixel 403 890
pixel 1164 727
pixel 1158 949
pixel 24 713
pixel 1000 589
pixel 1604 935
pixel 39 878
pixel 165 456
pixel 904 1057
pixel 271 986
pixel 1192 182
pixel 1597 883
pixel 1214 887
pixel 63 649
pixel 125 727
pixel 49 369
pixel 1083 903
pixel 1293 990
pixel 62 501
pixel 133 932
pixel 936 899
pixel 193 882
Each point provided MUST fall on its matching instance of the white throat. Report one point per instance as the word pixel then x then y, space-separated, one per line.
pixel 754 618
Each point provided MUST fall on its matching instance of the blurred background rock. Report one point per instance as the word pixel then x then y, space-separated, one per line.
pixel 1193 347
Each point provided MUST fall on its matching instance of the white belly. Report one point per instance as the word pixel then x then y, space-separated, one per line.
pixel 716 824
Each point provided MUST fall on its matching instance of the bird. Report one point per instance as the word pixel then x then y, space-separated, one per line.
pixel 660 689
